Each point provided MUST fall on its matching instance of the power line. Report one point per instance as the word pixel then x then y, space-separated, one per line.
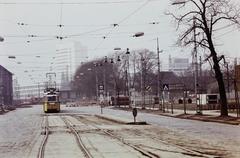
pixel 88 25
pixel 228 32
pixel 224 27
pixel 121 21
pixel 71 3
pixel 135 11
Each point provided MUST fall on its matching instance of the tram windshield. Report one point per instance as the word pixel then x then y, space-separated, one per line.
pixel 51 98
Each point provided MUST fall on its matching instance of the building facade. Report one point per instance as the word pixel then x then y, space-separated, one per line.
pixel 6 87
pixel 178 65
pixel 69 56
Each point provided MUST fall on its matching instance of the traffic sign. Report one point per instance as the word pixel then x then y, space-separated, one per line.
pixel 177 86
pixel 148 88
pixel 165 87
pixel 101 87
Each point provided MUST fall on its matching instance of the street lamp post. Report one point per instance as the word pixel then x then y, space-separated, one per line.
pixel 116 86
pixel 104 78
pixel 158 78
pixel 117 83
pixel 142 85
pixel 128 76
pixel 96 79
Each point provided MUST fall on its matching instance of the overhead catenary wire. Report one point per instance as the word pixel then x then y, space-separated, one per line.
pixel 71 3
pixel 82 25
pixel 121 21
pixel 61 18
pixel 88 33
pixel 226 33
pixel 132 13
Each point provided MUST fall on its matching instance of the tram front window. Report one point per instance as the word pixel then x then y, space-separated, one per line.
pixel 52 98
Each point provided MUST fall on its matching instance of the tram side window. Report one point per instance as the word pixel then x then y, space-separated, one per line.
pixel 52 98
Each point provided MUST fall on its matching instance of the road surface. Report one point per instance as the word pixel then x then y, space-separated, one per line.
pixel 77 132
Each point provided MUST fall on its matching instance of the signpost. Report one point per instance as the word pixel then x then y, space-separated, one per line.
pixel 171 88
pixel 134 111
pixel 101 97
pixel 165 87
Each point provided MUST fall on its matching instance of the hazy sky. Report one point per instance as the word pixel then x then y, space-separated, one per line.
pixel 88 21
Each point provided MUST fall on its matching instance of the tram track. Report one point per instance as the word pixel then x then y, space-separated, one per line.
pixel 185 150
pixel 44 142
pixel 46 132
pixel 144 152
pixel 73 128
pixel 80 143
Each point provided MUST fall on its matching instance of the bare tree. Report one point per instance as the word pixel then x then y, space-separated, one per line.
pixel 204 18
pixel 145 62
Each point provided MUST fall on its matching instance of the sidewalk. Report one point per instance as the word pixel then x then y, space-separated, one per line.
pixel 6 109
pixel 207 115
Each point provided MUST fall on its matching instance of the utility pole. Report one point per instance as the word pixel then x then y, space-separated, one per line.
pixel 128 76
pixel 96 80
pixel 195 61
pixel 104 78
pixel 200 83
pixel 158 76
pixel 142 87
pixel 228 82
pixel 38 92
pixel 236 80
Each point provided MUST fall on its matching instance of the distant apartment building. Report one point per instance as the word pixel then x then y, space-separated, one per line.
pixel 69 56
pixel 178 65
pixel 6 87
pixel 16 87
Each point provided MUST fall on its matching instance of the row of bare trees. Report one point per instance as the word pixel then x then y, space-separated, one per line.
pixel 115 73
pixel 197 20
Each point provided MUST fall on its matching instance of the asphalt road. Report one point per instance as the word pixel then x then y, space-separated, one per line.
pixel 20 130
pixel 222 135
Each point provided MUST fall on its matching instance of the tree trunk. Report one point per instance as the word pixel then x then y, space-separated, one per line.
pixel 218 74
pixel 221 86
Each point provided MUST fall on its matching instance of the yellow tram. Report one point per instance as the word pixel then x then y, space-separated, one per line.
pixel 51 100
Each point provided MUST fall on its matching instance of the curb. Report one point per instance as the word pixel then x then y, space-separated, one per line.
pixel 111 119
pixel 203 119
pixel 196 119
pixel 117 120
pixel 211 120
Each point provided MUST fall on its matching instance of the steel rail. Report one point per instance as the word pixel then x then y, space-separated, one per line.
pixel 191 151
pixel 43 144
pixel 139 149
pixel 145 152
pixel 78 138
